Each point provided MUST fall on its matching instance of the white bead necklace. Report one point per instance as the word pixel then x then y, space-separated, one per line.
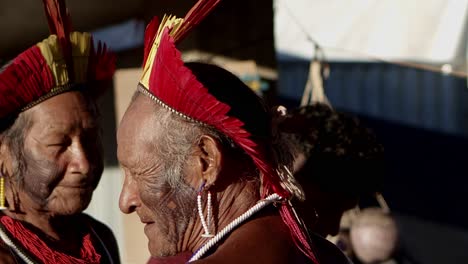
pixel 9 242
pixel 239 220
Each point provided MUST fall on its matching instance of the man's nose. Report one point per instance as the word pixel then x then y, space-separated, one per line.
pixel 129 196
pixel 80 161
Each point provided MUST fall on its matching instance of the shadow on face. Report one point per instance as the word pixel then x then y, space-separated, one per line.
pixel 62 155
pixel 322 210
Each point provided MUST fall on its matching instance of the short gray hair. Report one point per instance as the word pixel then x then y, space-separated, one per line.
pixel 175 146
pixel 12 135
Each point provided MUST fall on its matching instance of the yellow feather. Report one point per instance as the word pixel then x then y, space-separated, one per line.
pixel 81 47
pixel 174 24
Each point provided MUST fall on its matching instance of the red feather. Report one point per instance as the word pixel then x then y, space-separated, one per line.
pixel 25 80
pixel 194 16
pixel 101 64
pixel 150 35
pixel 60 24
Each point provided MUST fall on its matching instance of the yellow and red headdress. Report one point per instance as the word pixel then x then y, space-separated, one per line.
pixel 62 62
pixel 169 82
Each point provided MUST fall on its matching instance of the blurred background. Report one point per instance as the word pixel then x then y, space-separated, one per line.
pixel 399 65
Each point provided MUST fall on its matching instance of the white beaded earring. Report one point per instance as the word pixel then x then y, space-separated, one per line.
pixel 209 211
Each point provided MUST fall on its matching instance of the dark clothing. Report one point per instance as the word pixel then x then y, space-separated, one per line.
pixel 326 253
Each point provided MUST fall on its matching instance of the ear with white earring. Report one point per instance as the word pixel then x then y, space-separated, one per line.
pixel 206 223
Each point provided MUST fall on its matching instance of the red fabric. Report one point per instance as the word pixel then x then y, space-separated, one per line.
pixel 39 249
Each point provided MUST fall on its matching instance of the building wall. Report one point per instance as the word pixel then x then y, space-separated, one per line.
pixel 407 96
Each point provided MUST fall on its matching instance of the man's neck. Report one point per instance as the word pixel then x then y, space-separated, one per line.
pixel 262 239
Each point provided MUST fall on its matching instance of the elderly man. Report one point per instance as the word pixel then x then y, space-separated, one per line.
pixel 203 167
pixel 168 160
pixel 50 149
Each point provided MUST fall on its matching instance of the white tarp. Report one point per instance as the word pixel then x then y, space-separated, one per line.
pixel 430 31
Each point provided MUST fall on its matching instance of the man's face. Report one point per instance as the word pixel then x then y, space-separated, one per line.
pixel 63 156
pixel 329 206
pixel 334 204
pixel 164 209
pixel 323 208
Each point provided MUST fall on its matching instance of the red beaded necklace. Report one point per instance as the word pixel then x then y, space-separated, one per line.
pixel 36 247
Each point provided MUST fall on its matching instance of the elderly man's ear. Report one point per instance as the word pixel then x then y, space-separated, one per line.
pixel 208 159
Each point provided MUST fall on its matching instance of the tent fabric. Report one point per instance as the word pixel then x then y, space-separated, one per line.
pixel 431 31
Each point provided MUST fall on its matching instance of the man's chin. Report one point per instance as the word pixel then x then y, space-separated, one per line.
pixel 69 209
pixel 161 254
pixel 179 258
pixel 158 250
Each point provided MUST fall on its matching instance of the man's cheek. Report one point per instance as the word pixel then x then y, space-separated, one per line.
pixel 39 183
pixel 156 201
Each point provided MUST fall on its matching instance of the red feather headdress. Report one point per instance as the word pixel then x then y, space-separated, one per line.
pixel 62 62
pixel 171 84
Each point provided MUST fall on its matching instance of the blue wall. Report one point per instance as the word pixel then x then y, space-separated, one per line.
pixel 412 97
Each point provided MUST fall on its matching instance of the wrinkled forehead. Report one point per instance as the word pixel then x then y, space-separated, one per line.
pixel 69 110
pixel 139 118
pixel 138 130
